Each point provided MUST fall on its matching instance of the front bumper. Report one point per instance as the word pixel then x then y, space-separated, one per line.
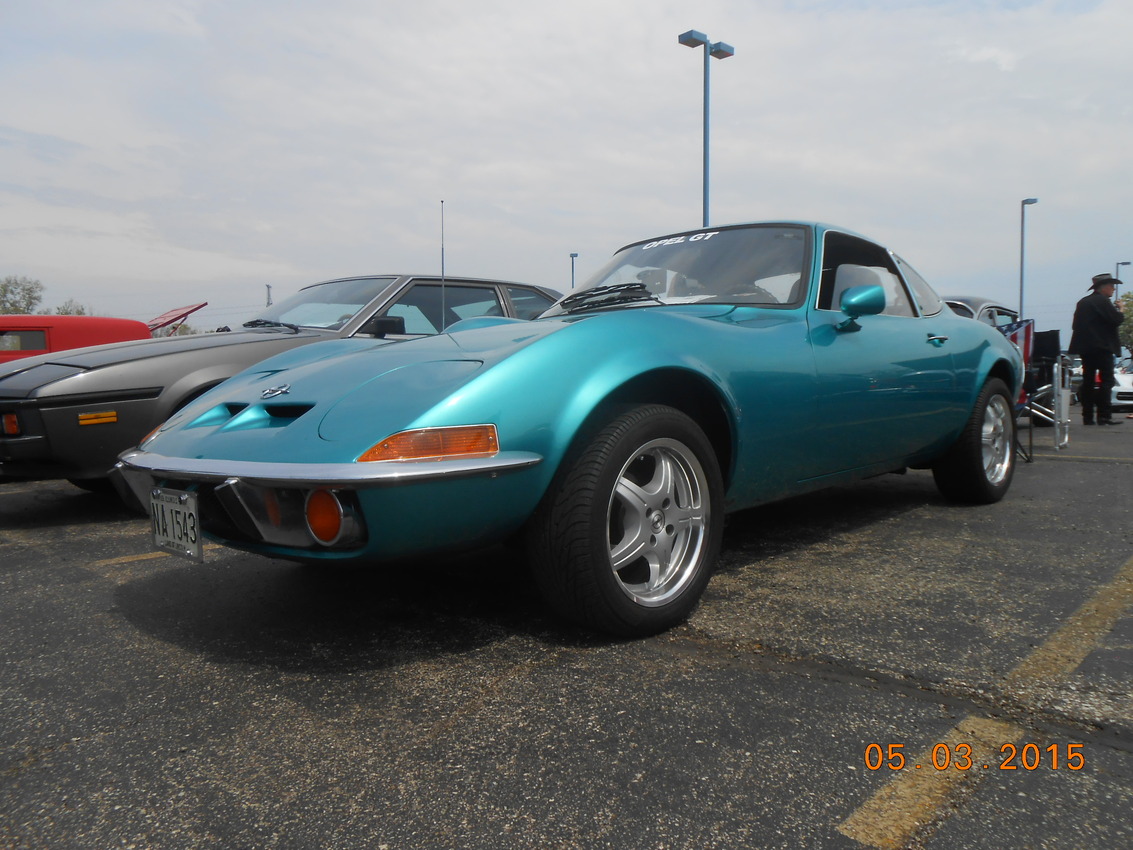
pixel 261 506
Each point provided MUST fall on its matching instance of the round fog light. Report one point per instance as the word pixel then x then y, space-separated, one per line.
pixel 324 516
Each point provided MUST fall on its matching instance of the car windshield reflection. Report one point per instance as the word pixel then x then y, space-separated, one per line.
pixel 326 305
pixel 760 265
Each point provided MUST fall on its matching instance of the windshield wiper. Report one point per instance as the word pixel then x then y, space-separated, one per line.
pixel 606 296
pixel 271 323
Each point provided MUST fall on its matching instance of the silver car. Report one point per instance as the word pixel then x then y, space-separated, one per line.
pixel 69 414
pixel 982 310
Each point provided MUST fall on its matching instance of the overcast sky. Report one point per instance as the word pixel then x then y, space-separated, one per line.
pixel 155 153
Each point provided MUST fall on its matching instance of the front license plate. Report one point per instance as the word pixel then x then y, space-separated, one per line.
pixel 176 528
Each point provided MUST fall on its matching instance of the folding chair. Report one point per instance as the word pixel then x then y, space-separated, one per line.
pixel 1044 398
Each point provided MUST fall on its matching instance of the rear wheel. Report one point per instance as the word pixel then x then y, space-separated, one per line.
pixel 626 538
pixel 979 466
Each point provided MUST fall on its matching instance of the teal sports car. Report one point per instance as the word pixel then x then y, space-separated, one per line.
pixel 693 375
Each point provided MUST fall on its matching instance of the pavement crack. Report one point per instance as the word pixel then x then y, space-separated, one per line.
pixel 958 697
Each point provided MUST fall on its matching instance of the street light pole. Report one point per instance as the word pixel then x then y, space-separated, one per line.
pixel 573 257
pixel 1116 267
pixel 715 50
pixel 1026 202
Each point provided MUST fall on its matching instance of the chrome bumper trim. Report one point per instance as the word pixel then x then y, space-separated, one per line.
pixel 345 475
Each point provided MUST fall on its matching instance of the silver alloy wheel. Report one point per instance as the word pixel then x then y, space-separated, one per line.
pixel 658 521
pixel 997 431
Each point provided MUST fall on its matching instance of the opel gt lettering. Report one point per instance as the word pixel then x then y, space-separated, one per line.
pixel 717 370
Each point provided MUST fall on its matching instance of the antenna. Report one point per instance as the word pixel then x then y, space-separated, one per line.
pixel 442 327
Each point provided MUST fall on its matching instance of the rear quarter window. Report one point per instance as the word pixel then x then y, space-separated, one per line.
pixel 23 340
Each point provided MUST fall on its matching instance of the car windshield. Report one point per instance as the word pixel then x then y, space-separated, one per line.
pixel 761 265
pixel 324 305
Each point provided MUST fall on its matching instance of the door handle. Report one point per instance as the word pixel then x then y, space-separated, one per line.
pixel 937 340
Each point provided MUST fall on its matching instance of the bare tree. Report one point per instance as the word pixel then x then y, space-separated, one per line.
pixel 71 307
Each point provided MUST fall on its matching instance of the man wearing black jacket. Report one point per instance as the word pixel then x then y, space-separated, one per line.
pixel 1094 338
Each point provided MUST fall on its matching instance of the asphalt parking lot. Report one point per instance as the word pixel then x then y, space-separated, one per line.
pixel 871 667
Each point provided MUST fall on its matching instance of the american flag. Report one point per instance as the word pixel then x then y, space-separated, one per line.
pixel 1023 335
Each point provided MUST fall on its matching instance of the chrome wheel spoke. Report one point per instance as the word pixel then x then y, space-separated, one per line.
pixel 995 440
pixel 657 521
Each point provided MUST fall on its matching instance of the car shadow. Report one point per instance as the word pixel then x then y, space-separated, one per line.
pixel 323 619
pixel 782 527
pixel 241 608
pixel 50 504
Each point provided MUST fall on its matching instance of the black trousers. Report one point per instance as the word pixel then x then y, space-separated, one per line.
pixel 1093 394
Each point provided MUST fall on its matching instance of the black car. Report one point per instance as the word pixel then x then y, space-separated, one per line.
pixel 69 414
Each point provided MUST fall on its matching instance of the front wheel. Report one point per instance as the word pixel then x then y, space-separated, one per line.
pixel 979 466
pixel 626 538
pixel 93 485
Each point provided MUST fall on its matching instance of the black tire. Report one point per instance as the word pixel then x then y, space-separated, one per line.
pixel 979 466
pixel 646 490
pixel 93 485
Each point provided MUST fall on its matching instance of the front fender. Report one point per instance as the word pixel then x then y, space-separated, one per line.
pixel 542 396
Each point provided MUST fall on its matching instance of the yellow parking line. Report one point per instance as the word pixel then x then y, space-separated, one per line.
pixel 145 556
pixel 1094 458
pixel 914 798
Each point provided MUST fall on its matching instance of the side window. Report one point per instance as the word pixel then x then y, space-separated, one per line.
pixel 927 300
pixel 427 309
pixel 23 341
pixel 527 303
pixel 961 309
pixel 850 261
pixel 1000 317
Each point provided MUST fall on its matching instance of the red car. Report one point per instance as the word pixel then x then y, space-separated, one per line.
pixel 23 336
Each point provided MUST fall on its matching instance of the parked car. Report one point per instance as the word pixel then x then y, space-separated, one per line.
pixel 982 310
pixel 1121 396
pixel 695 374
pixel 28 335
pixel 69 415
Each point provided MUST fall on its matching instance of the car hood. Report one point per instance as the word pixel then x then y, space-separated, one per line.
pixel 28 376
pixel 98 356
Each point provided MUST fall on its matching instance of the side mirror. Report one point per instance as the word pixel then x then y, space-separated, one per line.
pixel 379 326
pixel 858 301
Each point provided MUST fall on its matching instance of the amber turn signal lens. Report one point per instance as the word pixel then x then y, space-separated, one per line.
pixel 11 425
pixel 103 417
pixel 436 443
pixel 324 516
pixel 148 436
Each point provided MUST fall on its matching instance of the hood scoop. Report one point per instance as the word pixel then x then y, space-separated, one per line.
pixel 236 416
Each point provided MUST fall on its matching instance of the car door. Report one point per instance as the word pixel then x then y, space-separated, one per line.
pixel 883 381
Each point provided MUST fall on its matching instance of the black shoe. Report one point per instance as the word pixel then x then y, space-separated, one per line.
pixel 1109 421
pixel 1088 422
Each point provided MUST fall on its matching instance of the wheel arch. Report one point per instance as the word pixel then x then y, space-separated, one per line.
pixel 686 391
pixel 1002 369
pixel 188 388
